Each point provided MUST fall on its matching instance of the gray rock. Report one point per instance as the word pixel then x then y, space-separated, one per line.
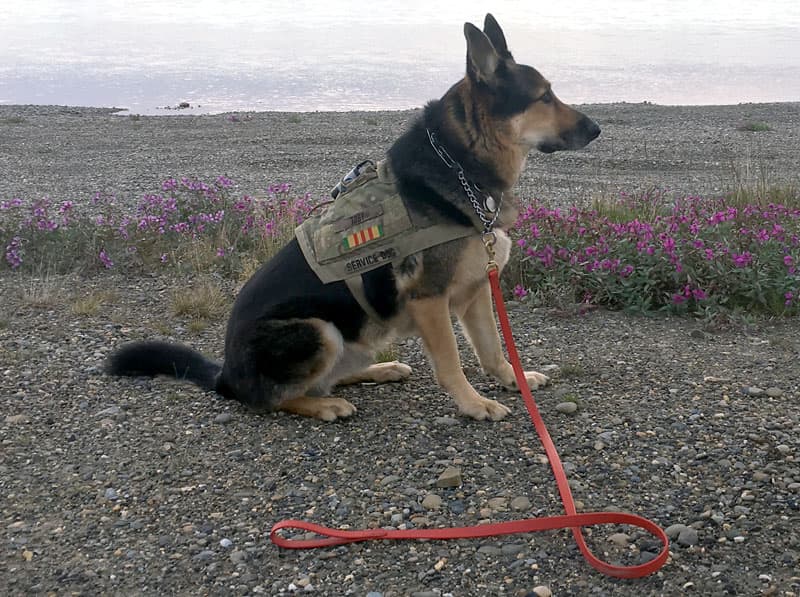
pixel 237 557
pixel 687 537
pixel 520 503
pixel 512 549
pixel 774 392
pixel 674 530
pixel 204 556
pixel 450 477
pixel 223 418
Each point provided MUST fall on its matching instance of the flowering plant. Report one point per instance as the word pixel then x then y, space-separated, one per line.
pixel 647 252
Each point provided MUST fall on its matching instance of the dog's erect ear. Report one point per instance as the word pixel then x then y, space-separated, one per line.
pixel 482 58
pixel 492 30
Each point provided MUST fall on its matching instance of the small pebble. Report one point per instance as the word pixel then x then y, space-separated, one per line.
pixel 223 418
pixel 432 502
pixel 498 504
pixel 567 408
pixel 620 539
pixel 752 391
pixel 226 543
pixel 456 506
pixel 203 556
pixel 16 419
pixel 448 421
pixel 542 591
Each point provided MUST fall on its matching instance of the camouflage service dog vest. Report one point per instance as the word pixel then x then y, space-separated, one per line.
pixel 367 226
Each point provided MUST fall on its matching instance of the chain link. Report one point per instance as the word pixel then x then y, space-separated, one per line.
pixel 469 187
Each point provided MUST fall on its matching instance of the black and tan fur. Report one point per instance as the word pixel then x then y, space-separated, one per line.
pixel 292 339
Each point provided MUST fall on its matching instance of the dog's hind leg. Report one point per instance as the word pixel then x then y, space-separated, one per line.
pixel 481 331
pixel 325 408
pixel 286 365
pixel 379 373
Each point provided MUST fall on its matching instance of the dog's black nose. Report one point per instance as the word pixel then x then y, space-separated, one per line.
pixel 592 129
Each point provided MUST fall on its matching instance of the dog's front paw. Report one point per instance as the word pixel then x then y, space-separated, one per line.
pixel 534 378
pixel 483 408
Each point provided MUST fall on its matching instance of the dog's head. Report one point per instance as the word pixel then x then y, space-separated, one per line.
pixel 520 96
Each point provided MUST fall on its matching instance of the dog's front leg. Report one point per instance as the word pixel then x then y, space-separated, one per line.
pixel 481 331
pixel 432 319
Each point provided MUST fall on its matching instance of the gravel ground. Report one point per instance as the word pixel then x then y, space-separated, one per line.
pixel 70 153
pixel 120 486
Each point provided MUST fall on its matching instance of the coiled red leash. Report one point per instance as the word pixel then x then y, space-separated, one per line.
pixel 572 520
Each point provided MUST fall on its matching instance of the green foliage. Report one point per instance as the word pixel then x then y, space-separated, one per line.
pixel 755 127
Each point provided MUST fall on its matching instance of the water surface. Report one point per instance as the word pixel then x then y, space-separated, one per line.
pixel 345 55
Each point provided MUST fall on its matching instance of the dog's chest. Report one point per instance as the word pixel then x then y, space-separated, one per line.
pixel 502 249
pixel 470 272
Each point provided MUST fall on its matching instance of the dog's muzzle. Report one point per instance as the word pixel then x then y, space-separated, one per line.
pixel 583 133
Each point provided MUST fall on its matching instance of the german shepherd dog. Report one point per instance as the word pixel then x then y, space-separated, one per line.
pixel 291 338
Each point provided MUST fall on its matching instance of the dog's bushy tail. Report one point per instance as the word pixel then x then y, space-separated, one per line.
pixel 154 357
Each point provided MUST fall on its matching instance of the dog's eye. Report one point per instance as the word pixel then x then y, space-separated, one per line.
pixel 547 98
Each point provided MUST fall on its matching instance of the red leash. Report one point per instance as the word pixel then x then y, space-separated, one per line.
pixel 571 520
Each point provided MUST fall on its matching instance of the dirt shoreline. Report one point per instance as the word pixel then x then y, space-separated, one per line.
pixel 70 153
pixel 120 486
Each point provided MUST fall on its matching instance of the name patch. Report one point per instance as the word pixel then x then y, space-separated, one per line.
pixel 355 265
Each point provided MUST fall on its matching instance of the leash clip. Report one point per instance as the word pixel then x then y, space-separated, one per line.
pixel 489 239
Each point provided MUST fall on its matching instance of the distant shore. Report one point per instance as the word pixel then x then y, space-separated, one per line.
pixel 73 152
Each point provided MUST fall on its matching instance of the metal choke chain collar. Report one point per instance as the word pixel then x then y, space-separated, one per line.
pixel 470 188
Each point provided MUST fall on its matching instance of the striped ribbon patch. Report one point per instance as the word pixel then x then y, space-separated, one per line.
pixel 351 241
